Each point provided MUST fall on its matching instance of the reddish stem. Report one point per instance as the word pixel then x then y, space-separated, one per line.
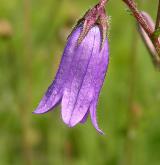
pixel 140 19
pixel 131 4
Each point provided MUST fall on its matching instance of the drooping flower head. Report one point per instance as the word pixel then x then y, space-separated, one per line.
pixel 79 78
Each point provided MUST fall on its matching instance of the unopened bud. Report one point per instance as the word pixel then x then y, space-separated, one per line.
pixel 147 40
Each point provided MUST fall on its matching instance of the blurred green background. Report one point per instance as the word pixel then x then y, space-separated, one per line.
pixel 32 37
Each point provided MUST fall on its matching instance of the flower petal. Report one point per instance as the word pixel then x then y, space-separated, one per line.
pixel 94 117
pixel 78 92
pixel 85 78
pixel 49 101
pixel 84 119
pixel 54 93
pixel 99 68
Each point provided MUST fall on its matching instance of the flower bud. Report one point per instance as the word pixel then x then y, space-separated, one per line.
pixel 147 40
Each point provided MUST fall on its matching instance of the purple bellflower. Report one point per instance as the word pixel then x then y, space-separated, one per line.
pixel 79 78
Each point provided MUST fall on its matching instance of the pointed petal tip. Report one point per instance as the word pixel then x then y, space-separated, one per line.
pixel 39 111
pixel 70 122
pixel 34 112
pixel 47 104
pixel 97 128
pixel 100 131
pixel 94 118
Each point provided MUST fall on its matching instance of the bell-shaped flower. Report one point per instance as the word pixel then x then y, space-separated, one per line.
pixel 79 78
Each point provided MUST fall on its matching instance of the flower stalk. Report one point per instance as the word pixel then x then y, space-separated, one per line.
pixel 144 24
pixel 148 43
pixel 137 14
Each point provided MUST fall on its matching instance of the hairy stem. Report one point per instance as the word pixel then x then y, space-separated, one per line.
pixel 132 6
pixel 140 19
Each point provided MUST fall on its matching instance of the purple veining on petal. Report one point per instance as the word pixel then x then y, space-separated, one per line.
pixel 101 67
pixel 97 70
pixel 54 93
pixel 79 79
pixel 85 118
pixel 77 99
pixel 75 91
